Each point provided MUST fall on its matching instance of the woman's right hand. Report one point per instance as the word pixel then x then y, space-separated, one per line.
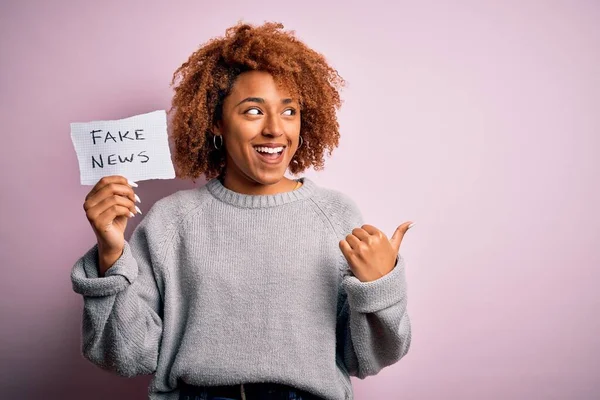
pixel 108 207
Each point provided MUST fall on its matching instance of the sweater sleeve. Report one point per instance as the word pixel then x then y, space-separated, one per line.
pixel 122 311
pixel 374 328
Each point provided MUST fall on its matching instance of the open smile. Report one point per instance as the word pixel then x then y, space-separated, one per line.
pixel 270 155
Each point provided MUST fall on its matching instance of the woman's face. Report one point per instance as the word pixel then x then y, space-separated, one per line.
pixel 257 114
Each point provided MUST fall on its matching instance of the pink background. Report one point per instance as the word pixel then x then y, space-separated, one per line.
pixel 477 120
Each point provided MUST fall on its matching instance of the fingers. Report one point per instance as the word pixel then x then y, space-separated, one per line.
pixel 106 217
pixel 398 235
pixel 112 206
pixel 360 233
pixel 372 230
pixel 402 229
pixel 116 185
pixel 366 234
pixel 346 249
pixel 353 241
pixel 118 179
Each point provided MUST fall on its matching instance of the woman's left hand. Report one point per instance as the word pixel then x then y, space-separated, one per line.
pixel 369 252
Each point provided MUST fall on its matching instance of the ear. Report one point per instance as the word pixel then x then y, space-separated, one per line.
pixel 217 128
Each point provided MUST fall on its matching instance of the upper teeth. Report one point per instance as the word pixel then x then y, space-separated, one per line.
pixel 269 149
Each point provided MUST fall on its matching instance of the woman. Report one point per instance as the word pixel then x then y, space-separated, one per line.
pixel 255 285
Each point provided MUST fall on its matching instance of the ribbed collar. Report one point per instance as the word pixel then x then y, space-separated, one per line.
pixel 216 188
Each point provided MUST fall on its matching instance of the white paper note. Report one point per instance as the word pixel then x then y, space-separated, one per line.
pixel 136 148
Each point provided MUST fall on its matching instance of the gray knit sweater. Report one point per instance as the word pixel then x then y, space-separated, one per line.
pixel 215 287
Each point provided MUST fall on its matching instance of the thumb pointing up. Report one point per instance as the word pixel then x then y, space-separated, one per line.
pixel 399 235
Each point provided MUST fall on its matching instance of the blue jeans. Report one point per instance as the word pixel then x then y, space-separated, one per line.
pixel 265 391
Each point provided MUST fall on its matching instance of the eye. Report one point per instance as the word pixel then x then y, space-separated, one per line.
pixel 291 110
pixel 250 111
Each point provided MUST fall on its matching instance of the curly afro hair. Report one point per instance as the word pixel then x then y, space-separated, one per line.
pixel 206 79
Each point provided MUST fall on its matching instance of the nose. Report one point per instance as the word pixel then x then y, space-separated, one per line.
pixel 273 126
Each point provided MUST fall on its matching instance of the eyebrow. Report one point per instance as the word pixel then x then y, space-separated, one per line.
pixel 261 100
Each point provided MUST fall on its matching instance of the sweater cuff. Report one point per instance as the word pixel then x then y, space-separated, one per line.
pixel 373 296
pixel 85 279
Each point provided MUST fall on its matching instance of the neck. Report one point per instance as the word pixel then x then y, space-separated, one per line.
pixel 251 187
